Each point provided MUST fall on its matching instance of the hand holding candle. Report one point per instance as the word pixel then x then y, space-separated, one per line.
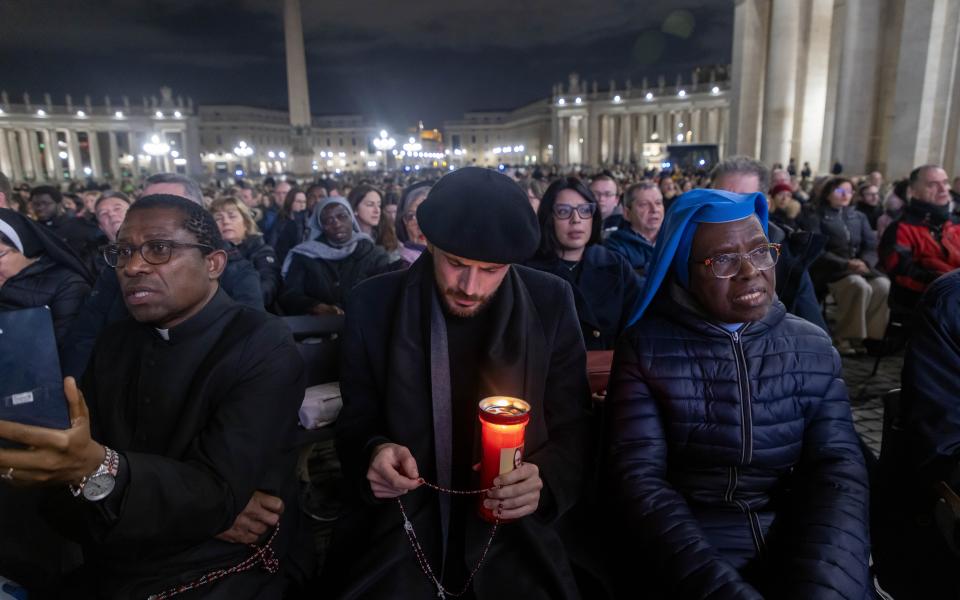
pixel 518 494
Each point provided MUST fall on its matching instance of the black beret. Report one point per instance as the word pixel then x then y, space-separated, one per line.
pixel 482 215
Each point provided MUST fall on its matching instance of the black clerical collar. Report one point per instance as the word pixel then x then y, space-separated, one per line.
pixel 199 322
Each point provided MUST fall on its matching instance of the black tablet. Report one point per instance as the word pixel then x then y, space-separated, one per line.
pixel 31 386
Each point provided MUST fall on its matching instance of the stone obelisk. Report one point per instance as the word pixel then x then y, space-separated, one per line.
pixel 301 159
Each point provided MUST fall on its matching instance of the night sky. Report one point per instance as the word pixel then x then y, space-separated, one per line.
pixel 395 62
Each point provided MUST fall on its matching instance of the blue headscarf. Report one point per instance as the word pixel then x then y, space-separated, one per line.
pixel 680 225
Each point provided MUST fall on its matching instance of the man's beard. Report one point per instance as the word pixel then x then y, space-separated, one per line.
pixel 459 311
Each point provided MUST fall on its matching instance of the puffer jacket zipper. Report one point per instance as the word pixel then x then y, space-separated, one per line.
pixel 746 414
pixel 746 436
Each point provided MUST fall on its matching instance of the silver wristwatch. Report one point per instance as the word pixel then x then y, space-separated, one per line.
pixel 98 485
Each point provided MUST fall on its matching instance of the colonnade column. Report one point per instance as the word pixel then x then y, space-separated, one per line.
pixel 750 43
pixel 6 157
pixel 93 144
pixel 781 83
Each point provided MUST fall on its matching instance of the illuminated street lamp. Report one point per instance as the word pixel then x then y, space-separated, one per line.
pixel 243 151
pixel 412 146
pixel 384 144
pixel 157 148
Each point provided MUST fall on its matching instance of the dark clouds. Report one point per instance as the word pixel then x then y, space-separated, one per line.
pixel 394 61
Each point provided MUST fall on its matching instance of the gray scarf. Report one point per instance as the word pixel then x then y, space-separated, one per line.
pixel 321 247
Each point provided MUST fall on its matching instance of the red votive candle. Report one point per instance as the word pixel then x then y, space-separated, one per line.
pixel 503 423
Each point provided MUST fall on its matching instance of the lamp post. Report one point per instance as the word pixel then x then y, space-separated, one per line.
pixel 384 144
pixel 243 151
pixel 413 149
pixel 157 149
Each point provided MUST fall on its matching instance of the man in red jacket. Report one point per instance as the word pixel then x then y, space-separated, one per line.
pixel 925 242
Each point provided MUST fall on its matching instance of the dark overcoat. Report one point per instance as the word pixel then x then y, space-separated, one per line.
pixel 606 292
pixel 386 384
pixel 312 281
pixel 202 420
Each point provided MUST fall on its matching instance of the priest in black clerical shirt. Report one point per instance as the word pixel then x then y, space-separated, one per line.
pixel 422 347
pixel 188 441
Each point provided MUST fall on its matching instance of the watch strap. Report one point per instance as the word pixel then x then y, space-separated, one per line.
pixel 110 465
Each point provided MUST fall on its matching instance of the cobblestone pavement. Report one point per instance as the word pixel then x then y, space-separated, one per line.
pixel 866 391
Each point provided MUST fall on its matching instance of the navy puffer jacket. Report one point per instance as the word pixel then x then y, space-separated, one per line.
pixel 732 457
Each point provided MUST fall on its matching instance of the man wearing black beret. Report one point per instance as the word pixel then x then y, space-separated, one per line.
pixel 422 348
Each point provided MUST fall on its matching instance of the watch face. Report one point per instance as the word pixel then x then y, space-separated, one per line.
pixel 99 487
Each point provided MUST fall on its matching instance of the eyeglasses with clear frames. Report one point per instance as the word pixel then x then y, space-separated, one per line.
pixel 154 252
pixel 725 266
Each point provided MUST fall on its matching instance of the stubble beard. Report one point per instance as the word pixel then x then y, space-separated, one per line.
pixel 459 311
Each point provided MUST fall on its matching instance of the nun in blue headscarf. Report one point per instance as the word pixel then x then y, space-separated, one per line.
pixel 319 274
pixel 733 465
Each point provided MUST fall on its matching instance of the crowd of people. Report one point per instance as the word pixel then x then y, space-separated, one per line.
pixel 721 452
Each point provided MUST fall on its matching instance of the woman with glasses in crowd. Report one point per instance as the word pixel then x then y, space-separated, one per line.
pixel 319 274
pixel 868 202
pixel 847 267
pixel 408 231
pixel 367 202
pixel 605 289
pixel 238 228
pixel 733 464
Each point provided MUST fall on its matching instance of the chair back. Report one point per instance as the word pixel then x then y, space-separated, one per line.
pixel 318 341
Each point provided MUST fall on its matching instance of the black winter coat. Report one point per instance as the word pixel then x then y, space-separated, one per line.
pixel 923 450
pixel 264 260
pixel 312 281
pixel 606 291
pixel 287 233
pixel 733 461
pixel 47 283
pixel 82 236
pixel 798 250
pixel 387 390
pixel 871 212
pixel 930 412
